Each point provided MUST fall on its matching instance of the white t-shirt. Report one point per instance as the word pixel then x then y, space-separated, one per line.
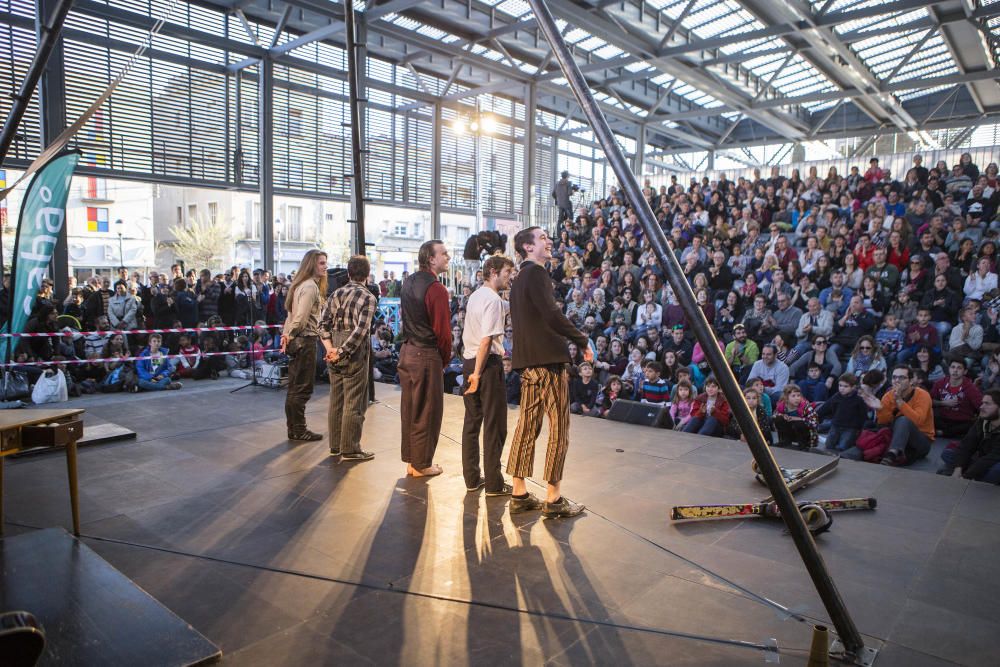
pixel 485 315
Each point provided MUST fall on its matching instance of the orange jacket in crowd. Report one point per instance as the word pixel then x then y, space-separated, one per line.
pixel 918 409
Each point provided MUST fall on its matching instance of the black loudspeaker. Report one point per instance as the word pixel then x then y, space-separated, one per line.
pixel 335 279
pixel 643 414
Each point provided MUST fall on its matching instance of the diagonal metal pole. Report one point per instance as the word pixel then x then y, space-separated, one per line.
pixel 849 635
pixel 47 41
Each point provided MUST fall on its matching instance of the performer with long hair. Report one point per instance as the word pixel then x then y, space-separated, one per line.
pixel 299 339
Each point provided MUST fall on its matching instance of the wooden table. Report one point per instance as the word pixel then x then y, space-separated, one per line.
pixel 28 429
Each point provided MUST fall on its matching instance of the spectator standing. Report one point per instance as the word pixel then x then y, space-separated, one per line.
pixel 123 309
pixel 186 303
pixel 207 292
pixel 511 381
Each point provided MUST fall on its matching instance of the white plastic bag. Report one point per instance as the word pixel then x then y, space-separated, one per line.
pixel 50 388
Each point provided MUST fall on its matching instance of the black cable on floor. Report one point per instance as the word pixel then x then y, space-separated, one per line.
pixel 738 643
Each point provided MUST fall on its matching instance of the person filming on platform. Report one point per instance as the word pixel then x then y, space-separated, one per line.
pixel 426 319
pixel 540 353
pixel 485 395
pixel 298 340
pixel 345 335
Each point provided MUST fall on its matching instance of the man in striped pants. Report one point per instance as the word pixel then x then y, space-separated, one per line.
pixel 346 336
pixel 540 352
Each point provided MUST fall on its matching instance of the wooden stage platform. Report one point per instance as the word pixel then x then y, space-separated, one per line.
pixel 280 555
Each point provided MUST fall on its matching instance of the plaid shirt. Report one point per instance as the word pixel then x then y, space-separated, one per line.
pixel 349 309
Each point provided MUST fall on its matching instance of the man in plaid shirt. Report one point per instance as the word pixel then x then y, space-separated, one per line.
pixel 345 332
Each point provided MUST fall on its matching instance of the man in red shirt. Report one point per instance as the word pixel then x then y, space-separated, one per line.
pixel 956 401
pixel 426 350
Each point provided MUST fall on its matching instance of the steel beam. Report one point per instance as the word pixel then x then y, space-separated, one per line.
pixel 436 173
pixel 766 462
pixel 265 109
pixel 530 138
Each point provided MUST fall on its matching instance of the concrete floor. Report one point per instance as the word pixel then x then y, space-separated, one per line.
pixel 283 556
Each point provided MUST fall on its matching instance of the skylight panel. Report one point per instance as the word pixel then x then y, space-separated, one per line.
pixel 515 8
pixel 662 79
pixel 592 44
pixel 638 67
pixel 408 23
pixel 431 31
pixel 575 35
pixel 608 51
pixel 911 94
pixel 882 23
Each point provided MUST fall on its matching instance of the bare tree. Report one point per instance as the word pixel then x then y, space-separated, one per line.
pixel 201 244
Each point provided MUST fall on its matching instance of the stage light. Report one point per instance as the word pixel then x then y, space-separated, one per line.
pixel 474 126
pixel 488 124
pixel 458 126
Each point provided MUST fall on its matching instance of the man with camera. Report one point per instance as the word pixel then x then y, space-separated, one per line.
pixel 562 193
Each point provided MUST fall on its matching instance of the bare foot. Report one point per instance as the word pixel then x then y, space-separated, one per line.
pixel 429 471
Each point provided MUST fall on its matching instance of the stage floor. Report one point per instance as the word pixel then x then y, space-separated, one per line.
pixel 281 555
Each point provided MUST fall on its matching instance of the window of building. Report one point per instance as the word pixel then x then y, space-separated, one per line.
pixel 97 219
pixel 400 229
pixel 294 122
pixel 97 188
pixel 192 216
pixel 213 212
pixel 294 223
pixel 252 221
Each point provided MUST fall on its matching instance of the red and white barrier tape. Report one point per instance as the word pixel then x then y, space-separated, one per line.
pixel 112 332
pixel 73 362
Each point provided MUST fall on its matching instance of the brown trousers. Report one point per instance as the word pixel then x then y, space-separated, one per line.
pixel 544 391
pixel 348 397
pixel 421 378
pixel 301 381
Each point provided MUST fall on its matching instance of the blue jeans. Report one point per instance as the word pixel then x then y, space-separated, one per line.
pixel 703 426
pixel 153 385
pixel 840 439
pixel 992 475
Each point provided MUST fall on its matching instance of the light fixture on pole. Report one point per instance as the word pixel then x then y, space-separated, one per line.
pixel 479 124
pixel 119 226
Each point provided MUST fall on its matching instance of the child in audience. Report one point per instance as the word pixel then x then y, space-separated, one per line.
pixel 681 402
pixel 848 413
pixel 814 386
pixel 763 421
pixel 654 390
pixel 795 419
pixel 187 365
pixel 890 339
pixel 583 391
pixel 612 392
pixel 758 385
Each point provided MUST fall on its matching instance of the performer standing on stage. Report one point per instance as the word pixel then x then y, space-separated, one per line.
pixel 298 340
pixel 486 393
pixel 540 352
pixel 345 334
pixel 426 319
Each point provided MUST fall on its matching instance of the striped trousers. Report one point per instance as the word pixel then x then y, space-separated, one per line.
pixel 543 392
pixel 348 400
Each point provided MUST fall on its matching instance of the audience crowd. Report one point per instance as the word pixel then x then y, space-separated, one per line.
pixel 856 306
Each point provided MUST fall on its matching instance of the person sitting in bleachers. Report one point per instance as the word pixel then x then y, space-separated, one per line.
pixel 956 401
